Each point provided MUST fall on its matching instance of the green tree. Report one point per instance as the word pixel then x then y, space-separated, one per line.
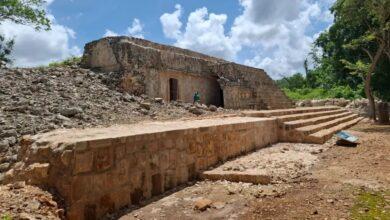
pixel 296 81
pixel 26 12
pixel 374 42
pixel 5 50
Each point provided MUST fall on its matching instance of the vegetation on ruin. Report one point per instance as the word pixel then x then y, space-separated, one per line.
pixel 351 59
pixel 72 61
pixel 26 12
pixel 6 217
pixel 371 205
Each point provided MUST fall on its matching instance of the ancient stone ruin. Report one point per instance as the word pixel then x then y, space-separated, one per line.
pixel 176 74
pixel 99 171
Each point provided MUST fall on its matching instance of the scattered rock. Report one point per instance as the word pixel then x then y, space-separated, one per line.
pixel 218 205
pixel 145 105
pixel 202 204
pixel 37 100
pixel 70 112
pixel 196 111
pixel 159 100
pixel 213 108
pixel 4 167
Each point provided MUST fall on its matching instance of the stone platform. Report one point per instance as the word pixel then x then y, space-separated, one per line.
pixel 98 171
pixel 101 170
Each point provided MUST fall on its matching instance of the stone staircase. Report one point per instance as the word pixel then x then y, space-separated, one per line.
pixel 309 125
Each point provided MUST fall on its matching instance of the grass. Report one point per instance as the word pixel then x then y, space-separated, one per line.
pixel 68 62
pixel 6 217
pixel 371 206
pixel 321 93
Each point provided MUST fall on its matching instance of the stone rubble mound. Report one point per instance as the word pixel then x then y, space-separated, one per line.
pixel 37 100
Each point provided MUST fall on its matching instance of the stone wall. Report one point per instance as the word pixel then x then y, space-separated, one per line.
pixel 144 65
pixel 98 171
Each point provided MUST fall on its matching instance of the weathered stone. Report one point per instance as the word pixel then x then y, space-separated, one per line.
pixel 4 144
pixel 129 167
pixel 70 112
pixel 218 205
pixel 196 111
pixel 176 74
pixel 213 108
pixel 145 105
pixel 202 204
pixel 4 167
pixel 159 100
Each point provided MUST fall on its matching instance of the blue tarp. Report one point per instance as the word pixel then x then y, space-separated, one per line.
pixel 347 136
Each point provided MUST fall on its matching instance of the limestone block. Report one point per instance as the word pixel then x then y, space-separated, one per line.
pixel 120 174
pixel 170 181
pixel 81 187
pixel 66 157
pixel 103 159
pixel 164 160
pixel 37 172
pixel 100 143
pixel 120 152
pixel 83 162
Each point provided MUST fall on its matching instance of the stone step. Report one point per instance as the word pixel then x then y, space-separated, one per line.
pixel 307 130
pixel 300 116
pixel 312 121
pixel 291 111
pixel 322 136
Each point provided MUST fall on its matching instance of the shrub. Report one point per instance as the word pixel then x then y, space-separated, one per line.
pixel 68 62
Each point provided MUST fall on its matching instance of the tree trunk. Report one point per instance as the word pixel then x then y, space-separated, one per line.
pixel 367 82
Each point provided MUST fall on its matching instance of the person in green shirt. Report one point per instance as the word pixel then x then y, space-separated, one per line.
pixel 196 97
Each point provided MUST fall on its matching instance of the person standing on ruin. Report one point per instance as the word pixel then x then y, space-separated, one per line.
pixel 196 97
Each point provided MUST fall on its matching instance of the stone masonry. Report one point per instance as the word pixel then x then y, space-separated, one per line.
pixel 98 171
pixel 176 74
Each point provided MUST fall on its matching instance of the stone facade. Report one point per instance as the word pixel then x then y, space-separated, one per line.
pixel 150 68
pixel 99 171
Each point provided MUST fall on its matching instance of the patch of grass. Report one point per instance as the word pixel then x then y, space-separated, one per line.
pixel 6 217
pixel 321 93
pixel 371 206
pixel 68 62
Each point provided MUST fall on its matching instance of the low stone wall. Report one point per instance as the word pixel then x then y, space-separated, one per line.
pixel 358 106
pixel 98 171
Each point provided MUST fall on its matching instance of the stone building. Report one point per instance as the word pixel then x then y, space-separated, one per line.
pixel 176 74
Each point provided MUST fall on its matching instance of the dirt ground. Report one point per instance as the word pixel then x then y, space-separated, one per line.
pixel 337 183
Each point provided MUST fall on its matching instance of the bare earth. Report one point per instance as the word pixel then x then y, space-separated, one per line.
pixel 309 182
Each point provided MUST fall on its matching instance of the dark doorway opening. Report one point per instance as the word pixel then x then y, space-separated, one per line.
pixel 173 89
pixel 221 102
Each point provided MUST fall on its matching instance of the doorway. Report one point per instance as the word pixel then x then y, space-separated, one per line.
pixel 173 89
pixel 221 100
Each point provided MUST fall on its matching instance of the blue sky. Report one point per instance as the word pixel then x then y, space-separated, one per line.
pixel 268 34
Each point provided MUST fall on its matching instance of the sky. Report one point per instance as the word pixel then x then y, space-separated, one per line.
pixel 274 35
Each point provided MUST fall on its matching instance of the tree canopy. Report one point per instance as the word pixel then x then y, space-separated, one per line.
pixel 26 12
pixel 345 54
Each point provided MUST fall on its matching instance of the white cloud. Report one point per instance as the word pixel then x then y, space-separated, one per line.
pixel 204 32
pixel 135 30
pixel 171 23
pixel 34 48
pixel 282 43
pixel 110 33
pixel 276 32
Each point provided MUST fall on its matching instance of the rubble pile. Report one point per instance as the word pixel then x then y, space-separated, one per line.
pixel 37 100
